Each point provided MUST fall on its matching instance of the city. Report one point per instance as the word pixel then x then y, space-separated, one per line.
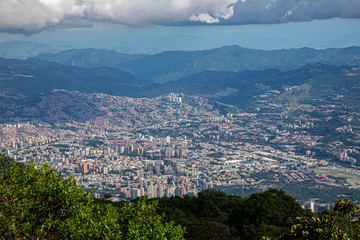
pixel 178 144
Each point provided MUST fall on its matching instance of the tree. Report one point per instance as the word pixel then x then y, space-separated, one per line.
pixel 44 204
pixel 210 203
pixel 322 227
pixel 268 213
pixel 208 230
pixel 349 212
pixel 139 221
pixel 347 208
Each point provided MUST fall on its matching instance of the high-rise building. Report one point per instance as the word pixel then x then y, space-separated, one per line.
pixel 121 149
pixel 161 189
pixel 104 170
pixel 179 192
pixel 84 168
pixel 141 191
pixel 134 193
pixel 150 191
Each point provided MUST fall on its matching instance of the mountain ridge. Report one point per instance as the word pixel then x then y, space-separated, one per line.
pixel 32 76
pixel 24 49
pixel 247 90
pixel 173 65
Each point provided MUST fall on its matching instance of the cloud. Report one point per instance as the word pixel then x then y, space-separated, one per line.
pixel 204 18
pixel 31 16
pixel 279 11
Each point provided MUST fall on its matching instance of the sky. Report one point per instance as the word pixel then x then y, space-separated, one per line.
pixel 149 26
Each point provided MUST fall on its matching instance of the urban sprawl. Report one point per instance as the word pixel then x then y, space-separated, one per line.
pixel 177 144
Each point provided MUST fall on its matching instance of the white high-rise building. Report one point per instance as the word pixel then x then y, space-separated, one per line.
pixel 134 193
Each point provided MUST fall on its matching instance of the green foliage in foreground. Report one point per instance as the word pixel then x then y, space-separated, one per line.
pixel 269 215
pixel 321 227
pixel 216 215
pixel 43 204
pixel 342 224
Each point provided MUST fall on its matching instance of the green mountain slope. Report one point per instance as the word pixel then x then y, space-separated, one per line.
pixel 311 84
pixel 30 77
pixel 89 57
pixel 173 65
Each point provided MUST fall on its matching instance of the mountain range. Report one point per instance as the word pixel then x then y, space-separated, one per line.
pixel 25 49
pixel 228 76
pixel 173 65
pixel 30 77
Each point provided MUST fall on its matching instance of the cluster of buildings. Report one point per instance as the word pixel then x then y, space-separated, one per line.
pixel 170 147
pixel 174 97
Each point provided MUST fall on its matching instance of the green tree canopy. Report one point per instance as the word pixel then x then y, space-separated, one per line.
pixel 43 204
pixel 320 227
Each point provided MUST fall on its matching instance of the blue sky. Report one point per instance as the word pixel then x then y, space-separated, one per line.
pixel 148 26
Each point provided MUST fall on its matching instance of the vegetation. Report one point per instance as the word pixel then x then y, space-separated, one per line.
pixel 215 215
pixel 94 143
pixel 43 204
pixel 340 224
pixel 270 214
pixel 320 227
pixel 225 108
pixel 216 155
pixel 301 191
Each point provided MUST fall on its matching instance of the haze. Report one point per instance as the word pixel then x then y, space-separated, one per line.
pixel 148 27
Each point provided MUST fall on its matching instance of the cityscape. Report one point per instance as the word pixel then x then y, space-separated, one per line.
pixel 176 145
pixel 174 119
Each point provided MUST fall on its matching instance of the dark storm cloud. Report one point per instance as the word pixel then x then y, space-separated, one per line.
pixel 278 11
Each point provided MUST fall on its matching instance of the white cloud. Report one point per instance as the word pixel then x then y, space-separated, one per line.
pixel 204 18
pixel 28 16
